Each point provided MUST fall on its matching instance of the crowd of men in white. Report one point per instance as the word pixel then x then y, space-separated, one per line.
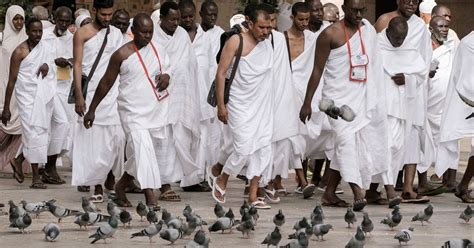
pixel 130 100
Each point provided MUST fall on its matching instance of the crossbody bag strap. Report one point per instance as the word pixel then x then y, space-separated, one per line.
pixel 237 59
pixel 288 47
pixel 97 59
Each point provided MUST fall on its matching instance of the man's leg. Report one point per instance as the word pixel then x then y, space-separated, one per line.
pixel 221 182
pixel 329 197
pixel 36 180
pixel 17 166
pixel 150 198
pixel 318 167
pixel 120 186
pixel 462 190
pixel 50 174
pixel 408 194
pixel 110 181
pixel 253 188
pixel 449 180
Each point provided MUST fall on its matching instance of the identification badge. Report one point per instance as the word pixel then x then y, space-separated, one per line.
pixel 163 94
pixel 358 72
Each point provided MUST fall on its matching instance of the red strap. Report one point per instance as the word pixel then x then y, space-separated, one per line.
pixel 145 69
pixel 348 41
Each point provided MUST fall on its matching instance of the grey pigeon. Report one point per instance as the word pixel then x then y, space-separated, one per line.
pixel 319 230
pixel 279 218
pixel 150 231
pixel 245 227
pixel 245 206
pixel 51 232
pixel 167 216
pixel 189 226
pixel 200 241
pixel 171 234
pixel 107 230
pixel 113 210
pixel 392 220
pixel 404 235
pixel 187 209
pixel 175 223
pixel 60 212
pixel 35 208
pixel 97 217
pixel 350 217
pixel 466 215
pixel 457 243
pixel 125 217
pixel 303 223
pixel 196 218
pixel 151 216
pixel 254 213
pixel 367 224
pixel 14 212
pixel 273 238
pixel 219 210
pixel 301 242
pixel 358 241
pixel 317 216
pixel 82 220
pixel 142 210
pixel 223 223
pixel 425 215
pixel 88 206
pixel 308 230
pixel 22 222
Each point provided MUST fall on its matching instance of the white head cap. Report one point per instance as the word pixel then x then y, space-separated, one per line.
pixel 237 19
pixel 426 6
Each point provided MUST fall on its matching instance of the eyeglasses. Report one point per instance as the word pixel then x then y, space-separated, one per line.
pixel 411 1
pixel 355 10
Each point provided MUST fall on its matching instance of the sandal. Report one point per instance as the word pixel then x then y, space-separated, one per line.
pixel 299 190
pixel 358 205
pixel 282 192
pixel 83 188
pixel 260 205
pixel 394 201
pixel 338 204
pixel 407 198
pixel 38 185
pixel 46 178
pixel 96 199
pixel 464 195
pixel 18 175
pixel 197 188
pixel 209 177
pixel 271 196
pixel 122 203
pixel 308 190
pixel 155 208
pixel 435 191
pixel 215 188
pixel 376 200
pixel 170 196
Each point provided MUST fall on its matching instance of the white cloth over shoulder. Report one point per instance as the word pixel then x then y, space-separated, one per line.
pixel 454 125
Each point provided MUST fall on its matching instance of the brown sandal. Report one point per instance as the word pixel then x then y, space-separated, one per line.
pixel 38 185
pixel 18 175
pixel 464 195
pixel 170 196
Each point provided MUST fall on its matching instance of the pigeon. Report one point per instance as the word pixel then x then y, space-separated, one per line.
pixel 189 227
pixel 319 230
pixel 14 212
pixel 245 206
pixel 301 242
pixel 404 235
pixel 174 223
pixel 22 222
pixel 171 234
pixel 273 238
pixel 196 218
pixel 105 231
pixel 223 223
pixel 358 241
pixel 219 210
pixel 308 230
pixel 245 227
pixel 367 224
pixel 425 215
pixel 113 210
pixel 317 216
pixel 187 209
pixel 350 217
pixel 200 241
pixel 279 219
pixel 254 213
pixel 142 210
pixel 96 217
pixel 151 216
pixel 60 212
pixel 51 232
pixel 35 208
pixel 457 243
pixel 150 231
pixel 466 215
pixel 303 223
pixel 82 220
pixel 167 216
pixel 88 206
pixel 125 217
pixel 392 220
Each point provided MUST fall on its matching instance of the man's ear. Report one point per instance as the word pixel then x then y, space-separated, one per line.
pixel 292 18
pixel 430 29
pixel 94 11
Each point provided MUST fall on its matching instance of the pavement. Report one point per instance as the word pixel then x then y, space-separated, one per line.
pixel 444 225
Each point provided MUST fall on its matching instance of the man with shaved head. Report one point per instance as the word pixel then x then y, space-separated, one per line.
pixel 331 13
pixel 347 53
pixel 209 12
pixel 316 11
pixel 142 66
pixel 418 38
pixel 444 11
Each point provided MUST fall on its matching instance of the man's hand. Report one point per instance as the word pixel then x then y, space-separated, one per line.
pixel 222 114
pixel 62 62
pixel 89 119
pixel 163 81
pixel 432 73
pixel 6 115
pixel 80 105
pixel 399 79
pixel 305 112
pixel 43 69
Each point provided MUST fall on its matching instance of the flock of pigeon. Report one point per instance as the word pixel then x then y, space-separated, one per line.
pixel 172 228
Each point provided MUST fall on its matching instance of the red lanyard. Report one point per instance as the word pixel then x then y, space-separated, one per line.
pixel 146 71
pixel 349 43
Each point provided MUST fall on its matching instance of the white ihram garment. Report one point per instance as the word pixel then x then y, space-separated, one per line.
pixel 454 126
pixel 99 149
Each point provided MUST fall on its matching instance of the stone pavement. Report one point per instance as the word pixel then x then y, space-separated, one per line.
pixel 445 222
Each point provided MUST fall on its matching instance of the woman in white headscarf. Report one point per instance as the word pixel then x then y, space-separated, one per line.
pixel 10 136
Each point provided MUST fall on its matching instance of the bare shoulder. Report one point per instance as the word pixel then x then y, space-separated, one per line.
pixel 124 51
pixel 85 33
pixel 383 20
pixel 21 51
